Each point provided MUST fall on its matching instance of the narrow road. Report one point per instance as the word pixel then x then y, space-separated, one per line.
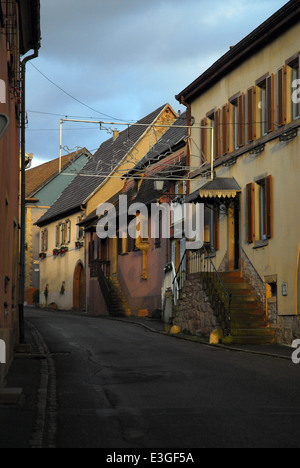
pixel 121 386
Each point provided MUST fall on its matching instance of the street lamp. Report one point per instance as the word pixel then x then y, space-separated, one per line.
pixel 4 123
pixel 159 185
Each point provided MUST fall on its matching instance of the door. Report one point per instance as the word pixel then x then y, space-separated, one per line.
pixel 79 288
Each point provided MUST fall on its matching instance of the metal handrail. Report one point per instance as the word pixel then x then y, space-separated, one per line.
pixel 213 285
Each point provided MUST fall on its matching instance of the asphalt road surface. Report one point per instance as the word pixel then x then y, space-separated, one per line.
pixel 121 386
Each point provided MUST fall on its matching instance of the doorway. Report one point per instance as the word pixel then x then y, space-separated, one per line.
pixel 79 288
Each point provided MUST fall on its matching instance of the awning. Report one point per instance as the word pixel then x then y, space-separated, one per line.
pixel 220 187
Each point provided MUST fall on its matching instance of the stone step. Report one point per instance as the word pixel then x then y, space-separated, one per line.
pixel 250 340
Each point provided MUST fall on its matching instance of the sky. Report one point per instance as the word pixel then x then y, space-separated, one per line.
pixel 119 60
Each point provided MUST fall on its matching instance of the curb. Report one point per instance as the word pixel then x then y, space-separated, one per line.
pixel 45 431
pixel 194 339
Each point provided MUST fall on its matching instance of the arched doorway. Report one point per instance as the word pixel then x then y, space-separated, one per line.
pixel 79 288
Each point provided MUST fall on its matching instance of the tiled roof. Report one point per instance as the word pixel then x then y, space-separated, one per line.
pixel 109 154
pixel 176 135
pixel 39 176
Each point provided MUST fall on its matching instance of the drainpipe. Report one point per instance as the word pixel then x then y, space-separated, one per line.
pixel 22 214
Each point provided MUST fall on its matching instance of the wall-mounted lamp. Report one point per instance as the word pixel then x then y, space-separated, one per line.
pixel 159 185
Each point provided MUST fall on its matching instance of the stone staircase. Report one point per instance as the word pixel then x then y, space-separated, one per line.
pixel 249 324
pixel 118 304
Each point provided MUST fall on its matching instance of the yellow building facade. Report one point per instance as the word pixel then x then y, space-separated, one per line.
pixel 247 117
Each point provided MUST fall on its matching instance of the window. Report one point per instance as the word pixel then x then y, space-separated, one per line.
pixel 211 227
pixel 265 105
pixel 251 113
pixel 44 240
pixel 262 210
pixel 233 130
pixel 259 210
pixel 224 129
pixel 241 120
pixel 213 120
pixel 281 111
pixel 250 213
pixel 292 76
pixel 203 141
pixel 80 229
pixel 295 78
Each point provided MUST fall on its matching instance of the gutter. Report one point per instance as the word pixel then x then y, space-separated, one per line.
pixel 23 198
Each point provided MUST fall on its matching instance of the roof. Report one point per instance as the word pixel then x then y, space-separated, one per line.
pixel 37 177
pixel 174 138
pixel 30 31
pixel 271 29
pixel 110 154
pixel 220 187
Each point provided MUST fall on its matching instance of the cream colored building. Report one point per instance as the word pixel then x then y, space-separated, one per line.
pixel 249 101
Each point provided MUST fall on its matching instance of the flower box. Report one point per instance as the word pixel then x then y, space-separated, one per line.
pixel 55 252
pixel 42 255
pixel 63 250
pixel 78 244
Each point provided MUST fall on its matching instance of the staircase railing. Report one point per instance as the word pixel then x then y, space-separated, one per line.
pixel 200 262
pixel 101 270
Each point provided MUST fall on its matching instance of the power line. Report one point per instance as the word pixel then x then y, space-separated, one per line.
pixel 72 97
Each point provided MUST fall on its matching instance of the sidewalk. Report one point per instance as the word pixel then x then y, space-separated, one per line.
pixel 18 418
pixel 24 423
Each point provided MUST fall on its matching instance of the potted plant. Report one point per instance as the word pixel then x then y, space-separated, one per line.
pixel 42 255
pixel 63 250
pixel 55 252
pixel 78 244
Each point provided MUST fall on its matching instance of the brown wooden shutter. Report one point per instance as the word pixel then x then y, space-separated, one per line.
pixel 241 112
pixel 270 103
pixel 251 114
pixel 217 134
pixel 250 213
pixel 269 206
pixel 225 132
pixel 203 146
pixel 281 118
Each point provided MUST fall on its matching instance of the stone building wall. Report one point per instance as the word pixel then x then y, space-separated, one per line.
pixel 194 314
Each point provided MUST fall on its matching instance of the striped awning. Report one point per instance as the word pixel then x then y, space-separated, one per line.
pixel 220 187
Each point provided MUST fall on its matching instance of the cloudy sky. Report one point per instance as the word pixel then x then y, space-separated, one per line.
pixel 118 60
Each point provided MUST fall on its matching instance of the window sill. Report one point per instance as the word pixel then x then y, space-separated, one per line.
pixel 260 244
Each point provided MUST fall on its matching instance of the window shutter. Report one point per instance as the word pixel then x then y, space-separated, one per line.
pixel 241 112
pixel 57 236
pixel 250 214
pixel 203 146
pixel 225 130
pixel 281 119
pixel 269 206
pixel 251 113
pixel 270 103
pixel 217 134
pixel 46 240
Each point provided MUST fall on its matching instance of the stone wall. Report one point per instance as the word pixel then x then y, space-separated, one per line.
pixel 194 314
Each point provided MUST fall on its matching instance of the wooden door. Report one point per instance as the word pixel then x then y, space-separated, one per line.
pixel 79 288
